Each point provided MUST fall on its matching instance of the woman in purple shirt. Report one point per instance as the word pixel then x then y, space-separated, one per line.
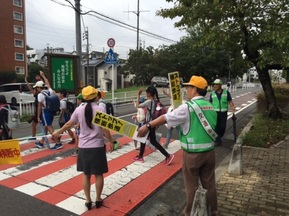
pixel 91 158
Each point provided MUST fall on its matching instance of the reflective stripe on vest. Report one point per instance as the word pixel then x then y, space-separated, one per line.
pixel 199 147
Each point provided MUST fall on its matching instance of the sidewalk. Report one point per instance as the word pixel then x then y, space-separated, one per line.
pixel 263 189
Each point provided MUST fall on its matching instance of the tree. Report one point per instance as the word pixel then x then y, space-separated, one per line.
pixel 257 28
pixel 7 77
pixel 33 70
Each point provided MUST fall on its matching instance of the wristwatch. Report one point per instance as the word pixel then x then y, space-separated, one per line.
pixel 148 125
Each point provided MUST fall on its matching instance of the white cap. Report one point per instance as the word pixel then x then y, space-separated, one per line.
pixel 218 82
pixel 39 84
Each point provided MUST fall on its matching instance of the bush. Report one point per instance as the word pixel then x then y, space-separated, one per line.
pixel 266 132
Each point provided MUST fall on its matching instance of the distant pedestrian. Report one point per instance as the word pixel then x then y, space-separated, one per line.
pixel 33 120
pixel 91 158
pixel 5 131
pixel 197 120
pixel 77 127
pixel 169 129
pixel 64 116
pixel 150 104
pixel 220 99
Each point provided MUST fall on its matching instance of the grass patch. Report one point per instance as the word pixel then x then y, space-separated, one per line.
pixel 266 132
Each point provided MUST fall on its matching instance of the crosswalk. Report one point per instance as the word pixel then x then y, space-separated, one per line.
pixel 51 176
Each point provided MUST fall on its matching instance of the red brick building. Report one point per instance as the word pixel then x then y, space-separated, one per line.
pixel 13 36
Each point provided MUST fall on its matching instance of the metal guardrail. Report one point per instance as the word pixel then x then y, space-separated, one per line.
pixel 27 107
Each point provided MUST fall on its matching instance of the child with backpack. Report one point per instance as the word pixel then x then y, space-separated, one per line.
pixel 77 127
pixel 154 108
pixel 109 110
pixel 7 119
pixel 65 113
pixel 139 118
pixel 48 105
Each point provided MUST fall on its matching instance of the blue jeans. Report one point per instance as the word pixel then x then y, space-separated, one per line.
pixel 169 136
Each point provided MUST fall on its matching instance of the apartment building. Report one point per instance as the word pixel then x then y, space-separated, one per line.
pixel 13 36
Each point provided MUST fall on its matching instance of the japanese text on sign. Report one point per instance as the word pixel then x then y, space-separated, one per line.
pixel 117 125
pixel 10 152
pixel 175 89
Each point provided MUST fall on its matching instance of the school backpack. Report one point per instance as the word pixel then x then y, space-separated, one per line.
pixel 52 101
pixel 141 115
pixel 69 107
pixel 109 109
pixel 13 118
pixel 159 110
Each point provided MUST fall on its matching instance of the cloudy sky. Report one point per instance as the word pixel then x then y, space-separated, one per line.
pixel 50 22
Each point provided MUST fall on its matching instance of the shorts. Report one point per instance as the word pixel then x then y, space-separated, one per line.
pixel 77 131
pixel 47 117
pixel 92 161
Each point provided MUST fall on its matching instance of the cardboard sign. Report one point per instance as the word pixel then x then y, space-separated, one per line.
pixel 10 152
pixel 175 89
pixel 117 125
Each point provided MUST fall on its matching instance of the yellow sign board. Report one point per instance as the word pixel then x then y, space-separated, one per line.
pixel 10 152
pixel 175 88
pixel 117 125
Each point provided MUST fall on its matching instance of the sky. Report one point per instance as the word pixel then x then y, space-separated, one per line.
pixel 50 23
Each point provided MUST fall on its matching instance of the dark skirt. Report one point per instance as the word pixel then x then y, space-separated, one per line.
pixel 92 161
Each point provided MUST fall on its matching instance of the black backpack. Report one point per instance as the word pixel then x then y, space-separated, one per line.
pixel 69 107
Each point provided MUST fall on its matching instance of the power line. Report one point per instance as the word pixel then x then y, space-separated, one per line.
pixel 118 23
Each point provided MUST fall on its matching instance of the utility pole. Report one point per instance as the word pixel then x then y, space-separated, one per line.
pixel 137 27
pixel 80 75
pixel 137 13
pixel 85 36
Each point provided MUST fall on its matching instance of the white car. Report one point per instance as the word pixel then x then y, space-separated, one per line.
pixel 16 93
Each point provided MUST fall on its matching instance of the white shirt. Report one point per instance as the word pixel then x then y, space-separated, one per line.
pixel 101 103
pixel 63 103
pixel 180 116
pixel 41 97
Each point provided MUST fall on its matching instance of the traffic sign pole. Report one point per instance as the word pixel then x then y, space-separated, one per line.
pixel 110 44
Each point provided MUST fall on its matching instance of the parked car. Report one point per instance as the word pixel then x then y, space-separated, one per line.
pixel 159 81
pixel 16 92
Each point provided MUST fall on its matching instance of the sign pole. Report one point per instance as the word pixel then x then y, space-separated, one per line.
pixel 110 44
pixel 112 83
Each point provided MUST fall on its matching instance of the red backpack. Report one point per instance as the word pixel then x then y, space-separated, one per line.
pixel 159 110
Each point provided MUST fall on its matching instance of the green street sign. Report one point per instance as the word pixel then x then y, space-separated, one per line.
pixel 62 69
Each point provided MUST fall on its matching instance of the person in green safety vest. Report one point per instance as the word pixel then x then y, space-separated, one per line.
pixel 196 120
pixel 220 99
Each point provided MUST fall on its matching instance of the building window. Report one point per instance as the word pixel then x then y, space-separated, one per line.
pixel 17 3
pixel 18 43
pixel 19 56
pixel 19 70
pixel 18 29
pixel 17 16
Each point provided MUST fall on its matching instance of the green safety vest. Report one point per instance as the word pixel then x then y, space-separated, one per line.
pixel 222 104
pixel 197 139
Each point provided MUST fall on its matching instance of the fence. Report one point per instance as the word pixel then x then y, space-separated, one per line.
pixel 26 108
